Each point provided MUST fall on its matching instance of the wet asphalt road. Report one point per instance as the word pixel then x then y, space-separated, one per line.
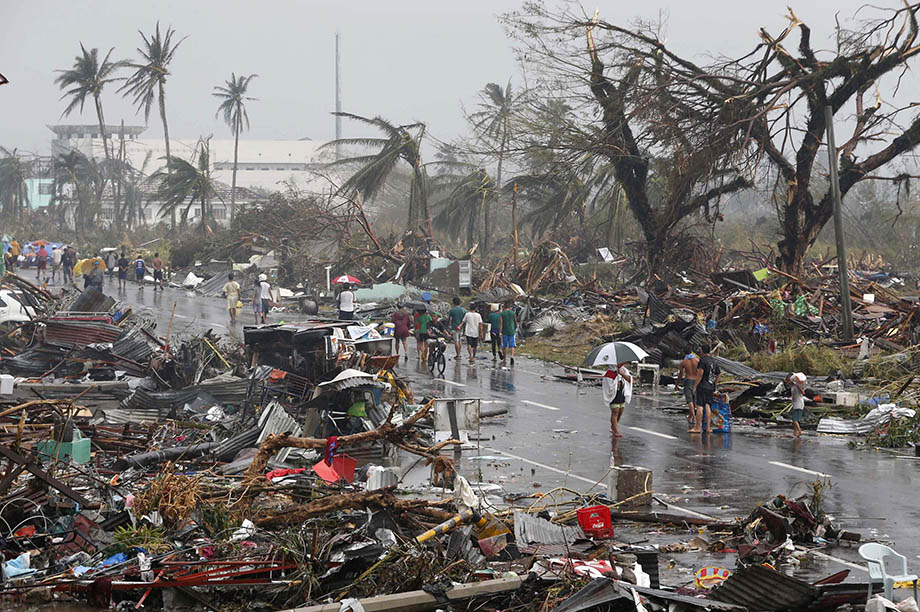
pixel 556 433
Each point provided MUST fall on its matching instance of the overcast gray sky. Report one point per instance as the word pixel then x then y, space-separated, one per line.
pixel 403 59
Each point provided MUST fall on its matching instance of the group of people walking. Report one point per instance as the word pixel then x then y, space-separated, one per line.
pixel 485 322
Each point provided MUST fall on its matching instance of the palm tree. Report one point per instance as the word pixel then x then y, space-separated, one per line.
pixel 88 77
pixel 401 143
pixel 14 194
pixel 233 98
pixel 149 79
pixel 133 210
pixel 464 203
pixel 492 123
pixel 185 183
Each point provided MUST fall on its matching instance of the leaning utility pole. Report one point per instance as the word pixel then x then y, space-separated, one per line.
pixel 338 97
pixel 838 227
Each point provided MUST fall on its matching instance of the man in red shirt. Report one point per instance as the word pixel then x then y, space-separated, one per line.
pixel 41 263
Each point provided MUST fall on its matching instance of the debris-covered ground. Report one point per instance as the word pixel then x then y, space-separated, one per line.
pixel 153 461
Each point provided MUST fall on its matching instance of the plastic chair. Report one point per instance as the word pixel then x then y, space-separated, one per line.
pixel 876 555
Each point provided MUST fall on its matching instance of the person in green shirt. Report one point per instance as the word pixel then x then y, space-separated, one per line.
pixel 422 320
pixel 456 315
pixel 495 332
pixel 508 330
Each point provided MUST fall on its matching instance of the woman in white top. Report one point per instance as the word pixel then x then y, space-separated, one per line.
pixel 617 388
pixel 346 304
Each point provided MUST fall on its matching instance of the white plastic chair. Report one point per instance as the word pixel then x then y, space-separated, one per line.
pixel 876 555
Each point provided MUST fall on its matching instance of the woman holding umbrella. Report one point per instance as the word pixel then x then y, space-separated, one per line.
pixel 346 297
pixel 617 382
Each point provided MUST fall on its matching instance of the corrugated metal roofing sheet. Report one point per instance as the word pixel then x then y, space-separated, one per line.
pixel 764 590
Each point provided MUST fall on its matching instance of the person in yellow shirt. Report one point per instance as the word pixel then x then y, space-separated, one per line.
pixel 14 251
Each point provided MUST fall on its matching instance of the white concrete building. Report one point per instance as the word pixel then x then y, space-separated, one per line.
pixel 263 164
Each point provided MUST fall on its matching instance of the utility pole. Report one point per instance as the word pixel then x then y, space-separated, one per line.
pixel 514 223
pixel 845 307
pixel 338 97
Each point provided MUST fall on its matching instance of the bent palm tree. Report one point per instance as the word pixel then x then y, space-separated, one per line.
pixel 14 194
pixel 466 200
pixel 187 184
pixel 149 79
pixel 401 142
pixel 88 77
pixel 492 123
pixel 233 98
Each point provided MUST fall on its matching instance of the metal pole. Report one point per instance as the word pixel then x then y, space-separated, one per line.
pixel 338 97
pixel 845 308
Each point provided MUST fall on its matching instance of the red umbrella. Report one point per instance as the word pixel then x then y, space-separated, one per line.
pixel 345 278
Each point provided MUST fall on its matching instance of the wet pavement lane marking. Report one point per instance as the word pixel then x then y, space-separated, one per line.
pixel 828 557
pixel 450 382
pixel 800 469
pixel 653 433
pixel 547 467
pixel 538 404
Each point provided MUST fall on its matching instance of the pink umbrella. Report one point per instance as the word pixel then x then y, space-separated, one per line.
pixel 345 278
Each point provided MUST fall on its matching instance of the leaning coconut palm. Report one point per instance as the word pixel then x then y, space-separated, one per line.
pixel 185 184
pixel 149 79
pixel 492 125
pixel 14 193
pixel 233 107
pixel 69 170
pixel 88 77
pixel 401 143
pixel 464 202
pixel 135 195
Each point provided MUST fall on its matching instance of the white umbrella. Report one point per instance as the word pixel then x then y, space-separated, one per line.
pixel 612 353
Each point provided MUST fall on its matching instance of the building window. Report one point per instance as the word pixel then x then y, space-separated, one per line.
pixel 266 168
pixel 45 189
pixel 250 168
pixel 280 169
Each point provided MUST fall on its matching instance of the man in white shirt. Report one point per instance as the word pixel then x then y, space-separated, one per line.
pixel 265 294
pixel 55 263
pixel 472 324
pixel 347 304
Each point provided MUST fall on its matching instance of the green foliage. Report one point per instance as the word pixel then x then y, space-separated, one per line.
pixel 812 359
pixel 151 539
pixel 899 433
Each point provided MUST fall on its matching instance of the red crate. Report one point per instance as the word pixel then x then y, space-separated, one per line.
pixel 595 522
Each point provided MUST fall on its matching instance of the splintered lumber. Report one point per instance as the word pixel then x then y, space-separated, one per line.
pixel 386 431
pixel 382 498
pixel 421 600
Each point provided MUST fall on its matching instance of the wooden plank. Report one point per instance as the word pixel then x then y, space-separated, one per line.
pixel 416 601
pixel 43 475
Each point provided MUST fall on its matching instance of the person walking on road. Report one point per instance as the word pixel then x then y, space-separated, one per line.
pixel 123 265
pixel 265 295
pixel 41 263
pixel 55 263
pixel 508 331
pixel 495 332
pixel 707 380
pixel 14 252
pixel 346 302
pixel 687 374
pixel 231 289
pixel 67 264
pixel 455 320
pixel 617 390
pixel 111 260
pixel 401 329
pixel 140 270
pixel 796 384
pixel 472 329
pixel 257 302
pixel 96 276
pixel 422 321
pixel 157 264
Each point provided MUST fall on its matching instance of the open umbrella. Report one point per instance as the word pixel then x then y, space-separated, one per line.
pixel 612 353
pixel 346 278
pixel 85 266
pixel 40 243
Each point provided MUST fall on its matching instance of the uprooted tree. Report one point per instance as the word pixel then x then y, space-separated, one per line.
pixel 671 158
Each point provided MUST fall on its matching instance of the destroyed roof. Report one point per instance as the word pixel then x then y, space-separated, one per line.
pixel 761 589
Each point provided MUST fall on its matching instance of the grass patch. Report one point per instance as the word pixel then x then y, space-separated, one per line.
pixel 570 346
pixel 812 359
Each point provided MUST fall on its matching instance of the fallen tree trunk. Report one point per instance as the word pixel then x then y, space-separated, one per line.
pixel 382 498
pixel 387 431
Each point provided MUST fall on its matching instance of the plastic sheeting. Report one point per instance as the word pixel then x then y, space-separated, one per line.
pixel 868 423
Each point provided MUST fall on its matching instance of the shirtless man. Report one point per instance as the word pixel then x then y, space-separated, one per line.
pixel 688 374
